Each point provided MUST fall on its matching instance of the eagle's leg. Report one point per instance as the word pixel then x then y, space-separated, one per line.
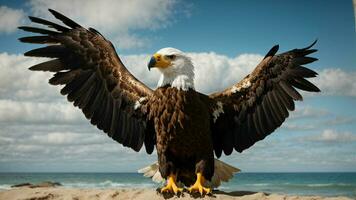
pixel 198 185
pixel 171 185
pixel 169 172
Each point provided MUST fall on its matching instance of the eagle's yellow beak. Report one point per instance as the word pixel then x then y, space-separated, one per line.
pixel 158 60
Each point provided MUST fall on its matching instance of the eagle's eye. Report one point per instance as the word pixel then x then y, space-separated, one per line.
pixel 171 57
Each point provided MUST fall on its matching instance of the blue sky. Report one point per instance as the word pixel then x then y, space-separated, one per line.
pixel 225 39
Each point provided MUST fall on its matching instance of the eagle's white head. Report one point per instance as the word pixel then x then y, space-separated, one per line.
pixel 176 67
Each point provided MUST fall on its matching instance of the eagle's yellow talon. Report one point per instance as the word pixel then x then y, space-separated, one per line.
pixel 171 186
pixel 198 186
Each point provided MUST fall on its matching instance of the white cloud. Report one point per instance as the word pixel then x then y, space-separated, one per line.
pixel 17 82
pixel 35 112
pixel 335 81
pixel 298 126
pixel 337 120
pixel 332 136
pixel 110 15
pixel 308 112
pixel 215 72
pixel 113 17
pixel 10 19
pixel 137 65
pixel 82 146
pixel 306 118
pixel 127 41
pixel 67 138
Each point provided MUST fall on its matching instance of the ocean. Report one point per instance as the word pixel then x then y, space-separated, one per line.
pixel 324 184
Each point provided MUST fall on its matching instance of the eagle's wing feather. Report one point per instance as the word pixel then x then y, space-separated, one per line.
pixel 257 105
pixel 94 79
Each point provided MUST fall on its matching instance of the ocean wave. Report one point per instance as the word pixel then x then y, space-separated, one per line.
pixel 301 185
pixel 260 184
pixel 5 187
pixel 107 184
pixel 329 185
pixel 224 188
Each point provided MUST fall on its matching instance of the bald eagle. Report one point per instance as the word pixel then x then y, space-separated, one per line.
pixel 186 127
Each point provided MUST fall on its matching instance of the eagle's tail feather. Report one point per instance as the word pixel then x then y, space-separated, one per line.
pixel 152 171
pixel 223 172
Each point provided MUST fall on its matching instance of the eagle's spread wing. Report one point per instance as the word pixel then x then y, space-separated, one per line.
pixel 94 79
pixel 256 106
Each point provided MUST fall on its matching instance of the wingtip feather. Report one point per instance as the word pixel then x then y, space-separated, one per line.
pixel 31 18
pixel 35 68
pixel 272 51
pixel 312 44
pixel 67 21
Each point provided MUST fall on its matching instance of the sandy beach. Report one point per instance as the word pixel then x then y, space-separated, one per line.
pixel 49 193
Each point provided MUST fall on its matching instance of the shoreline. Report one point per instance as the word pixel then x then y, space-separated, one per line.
pixel 60 192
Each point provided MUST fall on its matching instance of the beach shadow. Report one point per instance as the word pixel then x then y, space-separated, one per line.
pixel 237 193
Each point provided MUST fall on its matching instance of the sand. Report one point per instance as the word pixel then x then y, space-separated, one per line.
pixel 49 193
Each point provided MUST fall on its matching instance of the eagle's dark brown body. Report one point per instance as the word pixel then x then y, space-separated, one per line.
pixel 182 123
